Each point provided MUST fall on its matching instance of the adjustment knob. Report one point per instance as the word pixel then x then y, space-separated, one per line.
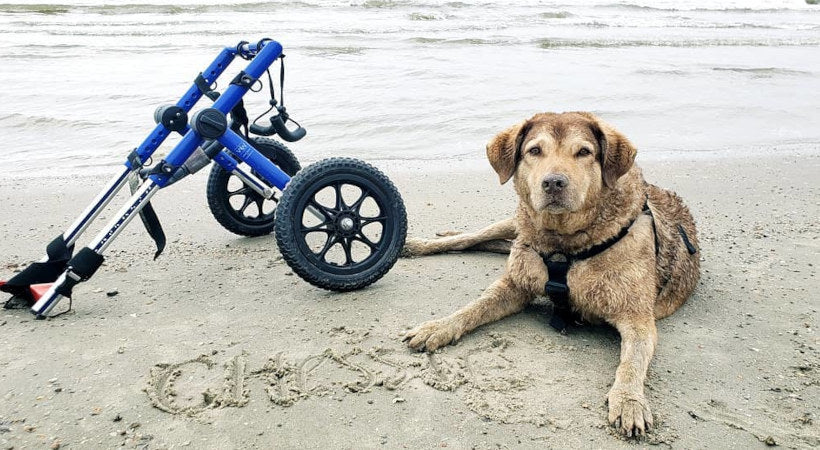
pixel 209 123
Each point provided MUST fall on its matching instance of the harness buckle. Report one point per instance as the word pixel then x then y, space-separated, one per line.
pixel 556 288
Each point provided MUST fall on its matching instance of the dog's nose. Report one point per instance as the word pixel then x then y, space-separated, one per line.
pixel 554 183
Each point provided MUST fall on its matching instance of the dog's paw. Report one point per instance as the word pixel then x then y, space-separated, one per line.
pixel 629 412
pixel 446 233
pixel 433 335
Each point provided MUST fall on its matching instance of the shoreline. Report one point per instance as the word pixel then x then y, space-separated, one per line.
pixel 479 162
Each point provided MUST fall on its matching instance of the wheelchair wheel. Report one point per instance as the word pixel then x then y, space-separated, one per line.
pixel 239 208
pixel 341 224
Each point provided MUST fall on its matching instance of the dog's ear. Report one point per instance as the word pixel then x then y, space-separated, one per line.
pixel 503 150
pixel 617 153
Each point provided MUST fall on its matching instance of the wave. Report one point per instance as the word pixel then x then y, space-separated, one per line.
pixel 615 43
pixel 663 72
pixel 140 8
pixel 696 26
pixel 634 7
pixel 258 6
pixel 35 9
pixel 262 6
pixel 333 51
pixel 462 41
pixel 424 17
pixel 762 71
pixel 18 120
pixel 556 15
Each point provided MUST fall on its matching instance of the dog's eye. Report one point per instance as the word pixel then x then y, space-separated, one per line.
pixel 534 151
pixel 583 152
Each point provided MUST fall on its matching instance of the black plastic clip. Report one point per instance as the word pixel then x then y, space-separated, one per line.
pixel 204 87
pixel 134 160
pixel 553 288
pixel 244 80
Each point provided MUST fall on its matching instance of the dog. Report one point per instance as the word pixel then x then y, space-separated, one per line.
pixel 589 232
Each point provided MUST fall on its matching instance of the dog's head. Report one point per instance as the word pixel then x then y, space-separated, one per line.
pixel 561 161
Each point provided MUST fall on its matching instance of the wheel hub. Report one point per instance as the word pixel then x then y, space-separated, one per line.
pixel 346 224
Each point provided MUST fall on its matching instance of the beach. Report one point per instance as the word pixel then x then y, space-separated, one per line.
pixel 217 344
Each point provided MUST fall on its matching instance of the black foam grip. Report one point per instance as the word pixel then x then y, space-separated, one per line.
pixel 86 263
pixel 290 136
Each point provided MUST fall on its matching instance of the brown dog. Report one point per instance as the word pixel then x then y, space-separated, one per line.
pixel 630 246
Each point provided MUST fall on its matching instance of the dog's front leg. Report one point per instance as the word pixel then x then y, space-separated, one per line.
pixel 501 299
pixel 628 409
pixel 527 269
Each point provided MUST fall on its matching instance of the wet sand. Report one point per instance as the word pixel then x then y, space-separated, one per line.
pixel 218 345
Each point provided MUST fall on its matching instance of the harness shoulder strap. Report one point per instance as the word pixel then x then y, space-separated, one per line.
pixel 648 210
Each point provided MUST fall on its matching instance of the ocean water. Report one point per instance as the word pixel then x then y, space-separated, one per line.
pixel 414 80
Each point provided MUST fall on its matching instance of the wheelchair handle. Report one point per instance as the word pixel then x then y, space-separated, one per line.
pixel 248 51
pixel 277 126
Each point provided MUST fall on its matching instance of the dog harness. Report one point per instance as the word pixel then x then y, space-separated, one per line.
pixel 558 264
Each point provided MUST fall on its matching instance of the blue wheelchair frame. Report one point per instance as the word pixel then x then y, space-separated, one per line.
pixel 261 56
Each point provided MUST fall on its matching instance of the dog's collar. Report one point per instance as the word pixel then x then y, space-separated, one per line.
pixel 600 247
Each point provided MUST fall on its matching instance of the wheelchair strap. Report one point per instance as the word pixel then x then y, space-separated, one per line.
pixel 150 220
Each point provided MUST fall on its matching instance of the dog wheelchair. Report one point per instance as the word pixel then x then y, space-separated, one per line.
pixel 340 223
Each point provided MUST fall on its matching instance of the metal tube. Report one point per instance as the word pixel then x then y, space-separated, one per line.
pixel 97 205
pixel 124 216
pixel 127 213
pixel 50 299
pixel 253 182
pixel 245 152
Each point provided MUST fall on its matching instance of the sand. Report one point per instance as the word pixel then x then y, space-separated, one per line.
pixel 218 345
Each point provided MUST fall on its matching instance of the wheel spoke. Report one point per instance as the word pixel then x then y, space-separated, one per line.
pixel 306 230
pixel 324 210
pixel 365 240
pixel 346 244
pixel 369 220
pixel 245 204
pixel 358 203
pixel 330 242
pixel 339 202
pixel 259 202
pixel 244 190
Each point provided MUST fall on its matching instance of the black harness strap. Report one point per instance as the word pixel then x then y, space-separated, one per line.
pixel 150 221
pixel 689 247
pixel 558 264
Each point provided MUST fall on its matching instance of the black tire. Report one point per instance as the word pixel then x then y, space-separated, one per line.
pixel 235 218
pixel 347 224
